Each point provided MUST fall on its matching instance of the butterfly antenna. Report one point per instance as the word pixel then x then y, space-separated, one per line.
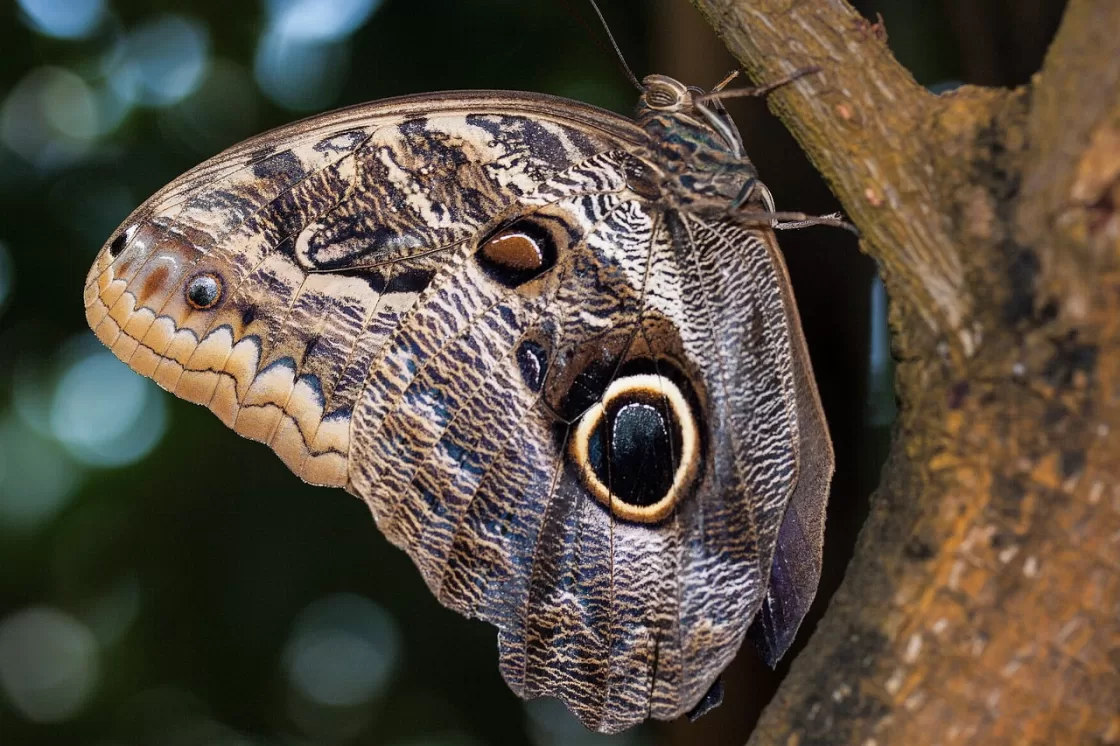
pixel 618 52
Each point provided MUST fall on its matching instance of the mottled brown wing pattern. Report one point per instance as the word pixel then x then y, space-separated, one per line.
pixel 322 237
pixel 567 380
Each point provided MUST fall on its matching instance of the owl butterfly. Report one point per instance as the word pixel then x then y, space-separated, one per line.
pixel 554 349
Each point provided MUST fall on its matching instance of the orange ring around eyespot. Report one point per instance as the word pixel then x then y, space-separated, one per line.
pixel 690 447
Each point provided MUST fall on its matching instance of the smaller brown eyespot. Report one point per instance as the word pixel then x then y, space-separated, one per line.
pixel 204 290
pixel 153 284
pixel 517 253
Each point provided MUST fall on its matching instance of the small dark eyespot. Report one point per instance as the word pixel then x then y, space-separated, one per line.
pixel 532 360
pixel 117 246
pixel 204 291
pixel 411 280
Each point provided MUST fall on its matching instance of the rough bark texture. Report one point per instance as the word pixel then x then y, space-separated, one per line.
pixel 983 603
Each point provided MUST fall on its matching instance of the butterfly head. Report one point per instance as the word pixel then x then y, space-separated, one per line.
pixel 663 96
pixel 695 142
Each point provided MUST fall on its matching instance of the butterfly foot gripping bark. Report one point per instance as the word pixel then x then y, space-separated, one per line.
pixel 537 340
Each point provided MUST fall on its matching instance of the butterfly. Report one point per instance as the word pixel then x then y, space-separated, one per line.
pixel 554 349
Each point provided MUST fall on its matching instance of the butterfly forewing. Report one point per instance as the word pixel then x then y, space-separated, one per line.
pixel 322 235
pixel 567 381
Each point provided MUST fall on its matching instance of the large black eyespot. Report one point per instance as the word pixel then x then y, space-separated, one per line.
pixel 635 449
pixel 638 450
pixel 517 253
pixel 204 290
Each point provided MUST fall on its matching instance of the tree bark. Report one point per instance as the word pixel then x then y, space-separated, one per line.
pixel 983 601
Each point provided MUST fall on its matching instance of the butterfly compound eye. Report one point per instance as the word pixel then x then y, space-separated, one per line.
pixel 663 93
pixel 660 98
pixel 638 450
pixel 204 291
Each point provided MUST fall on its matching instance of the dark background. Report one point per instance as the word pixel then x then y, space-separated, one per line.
pixel 163 581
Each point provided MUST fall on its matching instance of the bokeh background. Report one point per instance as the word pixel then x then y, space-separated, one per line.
pixel 163 581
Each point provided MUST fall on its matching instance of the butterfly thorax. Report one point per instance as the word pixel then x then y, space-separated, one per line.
pixel 694 144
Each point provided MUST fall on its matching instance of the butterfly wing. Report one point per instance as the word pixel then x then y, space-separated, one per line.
pixel 795 569
pixel 320 237
pixel 574 406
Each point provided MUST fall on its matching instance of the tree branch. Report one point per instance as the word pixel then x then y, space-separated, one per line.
pixel 1073 129
pixel 862 121
pixel 983 601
